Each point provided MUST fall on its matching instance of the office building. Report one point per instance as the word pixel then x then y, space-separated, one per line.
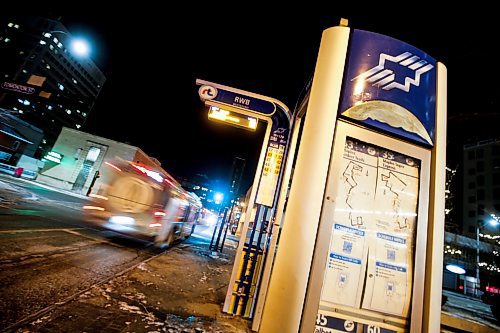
pixel 481 186
pixel 42 80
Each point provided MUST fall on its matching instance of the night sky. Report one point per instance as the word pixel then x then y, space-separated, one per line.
pixel 152 56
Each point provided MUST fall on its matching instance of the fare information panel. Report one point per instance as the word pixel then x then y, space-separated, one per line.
pixel 370 259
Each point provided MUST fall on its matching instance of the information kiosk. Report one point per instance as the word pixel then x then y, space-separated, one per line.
pixel 362 239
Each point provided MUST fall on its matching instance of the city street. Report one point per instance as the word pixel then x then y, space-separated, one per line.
pixel 49 256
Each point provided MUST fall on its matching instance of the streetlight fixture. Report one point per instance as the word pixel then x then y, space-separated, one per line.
pixel 77 45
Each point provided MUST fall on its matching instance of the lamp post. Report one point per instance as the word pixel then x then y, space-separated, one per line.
pixel 495 221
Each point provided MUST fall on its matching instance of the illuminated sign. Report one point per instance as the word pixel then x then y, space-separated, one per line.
pixel 54 157
pixel 390 85
pixel 235 119
pixel 18 88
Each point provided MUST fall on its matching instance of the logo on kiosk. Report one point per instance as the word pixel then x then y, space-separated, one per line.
pixel 382 77
pixel 390 85
pixel 207 92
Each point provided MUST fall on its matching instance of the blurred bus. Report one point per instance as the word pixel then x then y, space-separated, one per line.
pixel 143 202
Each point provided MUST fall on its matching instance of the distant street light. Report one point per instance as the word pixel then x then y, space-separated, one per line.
pixel 218 196
pixel 78 46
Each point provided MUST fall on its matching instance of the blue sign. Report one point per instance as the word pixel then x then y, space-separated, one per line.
pixel 240 100
pixel 337 324
pixel 390 85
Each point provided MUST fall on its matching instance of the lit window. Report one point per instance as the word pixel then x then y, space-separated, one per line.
pixel 16 26
pixel 59 45
pixel 42 42
pixel 26 102
pixel 49 107
pixel 25 71
pixel 47 34
pixel 21 52
pixel 77 111
pixel 68 111
pixel 55 40
pixel 44 141
pixel 7 39
pixel 60 86
pixel 78 126
pixel 74 81
pixel 20 111
pixel 15 109
pixel 84 114
pixel 51 46
pixel 47 66
pixel 10 25
pixel 53 120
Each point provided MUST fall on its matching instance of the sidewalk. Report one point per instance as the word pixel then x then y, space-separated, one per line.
pixel 180 291
pixel 14 180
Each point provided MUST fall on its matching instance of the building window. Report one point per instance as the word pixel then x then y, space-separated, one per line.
pixel 472 229
pixel 496 192
pixel 42 42
pixel 6 40
pixel 471 171
pixel 480 180
pixel 472 213
pixel 472 185
pixel 471 155
pixel 472 199
pixel 480 194
pixel 496 150
pixel 10 24
pixel 496 178
pixel 479 153
pixel 480 209
pixel 60 86
pixel 480 166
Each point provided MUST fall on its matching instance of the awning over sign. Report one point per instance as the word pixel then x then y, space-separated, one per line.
pixel 11 131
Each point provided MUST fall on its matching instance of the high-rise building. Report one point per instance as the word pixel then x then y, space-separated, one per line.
pixel 42 80
pixel 481 186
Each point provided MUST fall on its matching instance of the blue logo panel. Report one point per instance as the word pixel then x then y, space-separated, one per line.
pixel 390 85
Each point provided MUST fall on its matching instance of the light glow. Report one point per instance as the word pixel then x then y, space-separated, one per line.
pixel 80 47
pixel 154 225
pixel 122 220
pixel 98 196
pixel 455 269
pixel 113 166
pixel 87 207
pixel 159 214
pixel 216 113
pixel 153 174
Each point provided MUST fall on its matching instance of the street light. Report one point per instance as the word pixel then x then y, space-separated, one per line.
pixel 78 46
pixel 493 222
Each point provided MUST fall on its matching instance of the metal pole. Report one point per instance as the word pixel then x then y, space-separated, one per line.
pixel 215 229
pixel 228 225
pixel 222 224
pixel 477 261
